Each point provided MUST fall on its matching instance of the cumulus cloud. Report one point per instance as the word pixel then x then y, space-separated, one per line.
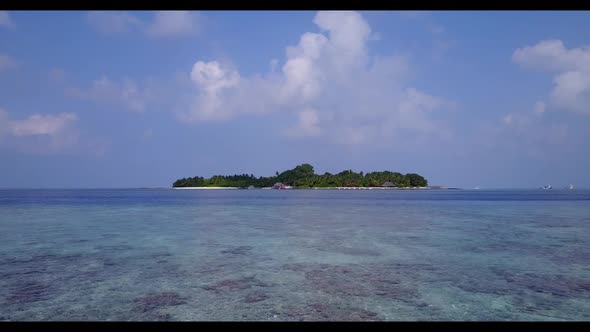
pixel 40 133
pixel 552 55
pixel 164 24
pixel 5 20
pixel 571 70
pixel 126 93
pixel 212 79
pixel 308 125
pixel 6 62
pixel 331 83
pixel 572 91
pixel 39 124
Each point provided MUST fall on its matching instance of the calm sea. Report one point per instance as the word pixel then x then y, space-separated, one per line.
pixel 294 255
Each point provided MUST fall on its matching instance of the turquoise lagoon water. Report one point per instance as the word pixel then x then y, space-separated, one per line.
pixel 294 255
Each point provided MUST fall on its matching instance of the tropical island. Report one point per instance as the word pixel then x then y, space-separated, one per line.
pixel 304 177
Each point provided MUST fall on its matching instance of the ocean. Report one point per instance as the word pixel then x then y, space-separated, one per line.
pixel 292 255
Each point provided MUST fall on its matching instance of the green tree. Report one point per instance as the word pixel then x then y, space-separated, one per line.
pixel 303 176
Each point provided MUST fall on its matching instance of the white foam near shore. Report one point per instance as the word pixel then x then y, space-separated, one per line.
pixel 204 188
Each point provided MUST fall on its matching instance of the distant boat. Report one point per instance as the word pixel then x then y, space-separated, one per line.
pixel 546 187
pixel 476 187
pixel 571 187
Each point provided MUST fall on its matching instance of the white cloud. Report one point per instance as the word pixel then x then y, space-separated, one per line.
pixel 113 21
pixel 531 119
pixel 330 82
pixel 211 76
pixel 308 124
pixel 571 67
pixel 126 93
pixel 164 24
pixel 301 75
pixel 572 91
pixel 40 133
pixel 348 32
pixel 39 124
pixel 173 23
pixel 552 55
pixel 212 79
pixel 7 62
pixel 5 20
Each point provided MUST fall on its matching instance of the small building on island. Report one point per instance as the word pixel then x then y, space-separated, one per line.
pixel 278 185
pixel 388 184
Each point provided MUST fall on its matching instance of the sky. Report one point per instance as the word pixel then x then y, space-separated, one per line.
pixel 142 98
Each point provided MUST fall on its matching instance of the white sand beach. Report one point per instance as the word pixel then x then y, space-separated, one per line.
pixel 320 188
pixel 205 188
pixel 372 188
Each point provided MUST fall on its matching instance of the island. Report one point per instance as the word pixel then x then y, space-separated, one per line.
pixel 304 177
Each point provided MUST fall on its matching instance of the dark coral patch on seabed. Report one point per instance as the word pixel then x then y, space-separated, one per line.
pixel 255 297
pixel 329 312
pixel 230 285
pixel 153 302
pixel 30 292
pixel 358 280
pixel 241 250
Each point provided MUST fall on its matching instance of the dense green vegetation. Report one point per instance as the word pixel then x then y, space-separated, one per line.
pixel 303 176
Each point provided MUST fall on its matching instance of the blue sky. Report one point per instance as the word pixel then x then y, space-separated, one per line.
pixel 134 99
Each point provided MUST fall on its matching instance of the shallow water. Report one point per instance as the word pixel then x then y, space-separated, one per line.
pixel 294 255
